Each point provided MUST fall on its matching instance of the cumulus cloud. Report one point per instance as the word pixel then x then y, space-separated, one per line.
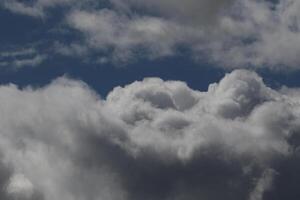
pixel 152 139
pixel 18 52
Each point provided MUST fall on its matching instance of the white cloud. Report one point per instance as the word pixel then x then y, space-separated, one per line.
pixel 109 31
pixel 233 34
pixel 42 137
pixel 65 142
pixel 153 107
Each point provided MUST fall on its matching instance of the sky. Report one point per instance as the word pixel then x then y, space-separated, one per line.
pixel 149 100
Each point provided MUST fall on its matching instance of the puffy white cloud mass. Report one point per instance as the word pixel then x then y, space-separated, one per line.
pixel 152 139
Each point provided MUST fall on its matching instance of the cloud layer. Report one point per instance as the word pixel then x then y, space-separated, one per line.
pixel 152 139
pixel 229 33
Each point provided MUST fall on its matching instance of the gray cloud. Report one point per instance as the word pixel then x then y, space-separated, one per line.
pixel 190 11
pixel 263 184
pixel 152 139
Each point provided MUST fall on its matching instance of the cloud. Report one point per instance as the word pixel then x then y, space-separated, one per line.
pixel 259 33
pixel 20 187
pixel 69 49
pixel 264 183
pixel 122 35
pixel 203 11
pixel 19 52
pixel 232 34
pixel 36 8
pixel 227 33
pixel 18 58
pixel 52 162
pixel 152 139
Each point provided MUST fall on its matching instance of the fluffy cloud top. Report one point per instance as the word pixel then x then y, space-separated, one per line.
pixel 152 139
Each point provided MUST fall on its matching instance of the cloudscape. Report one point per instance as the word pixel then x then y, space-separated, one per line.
pixel 149 100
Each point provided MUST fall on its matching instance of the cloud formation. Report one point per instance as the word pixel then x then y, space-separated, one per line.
pixel 123 36
pixel 229 33
pixel 152 139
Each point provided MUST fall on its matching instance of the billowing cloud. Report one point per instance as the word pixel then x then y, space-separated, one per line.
pixel 152 139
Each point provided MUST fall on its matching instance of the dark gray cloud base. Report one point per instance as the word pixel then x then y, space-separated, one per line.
pixel 152 139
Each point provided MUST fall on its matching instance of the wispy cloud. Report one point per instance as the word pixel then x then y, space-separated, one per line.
pixel 19 52
pixel 19 58
pixel 230 33
pixel 35 8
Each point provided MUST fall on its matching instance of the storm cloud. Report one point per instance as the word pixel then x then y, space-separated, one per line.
pixel 152 139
